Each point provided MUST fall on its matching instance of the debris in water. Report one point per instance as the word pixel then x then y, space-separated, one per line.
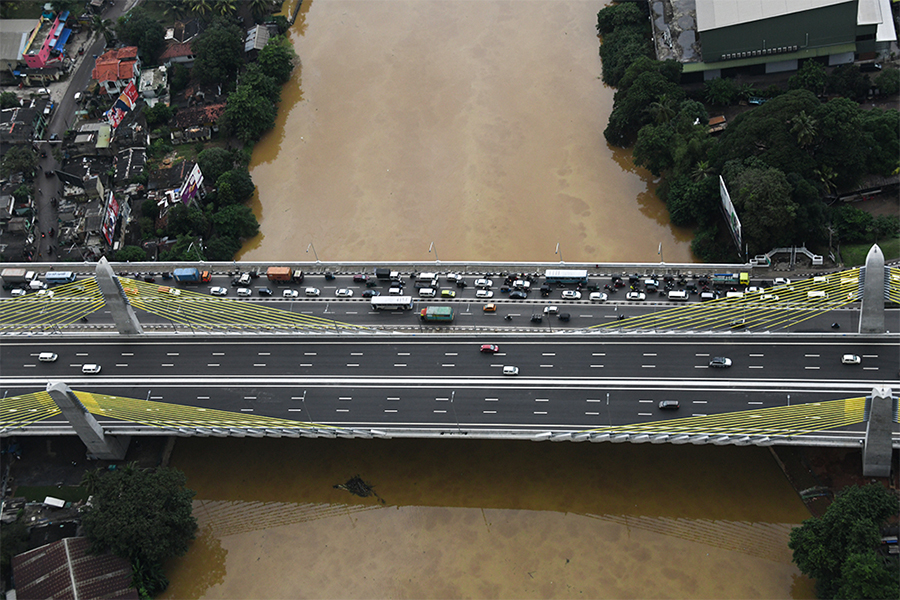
pixel 356 486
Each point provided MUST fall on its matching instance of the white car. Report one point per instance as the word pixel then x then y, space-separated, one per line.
pixel 571 295
pixel 483 283
pixel 635 296
pixel 47 357
pixel 782 281
pixel 598 297
pixel 343 293
pixel 18 292
pixel 290 293
pixel 312 291
pixel 850 359
pixel 244 292
pixel 454 277
pixel 768 297
pixel 244 279
pixel 218 291
pixel 551 310
pixel 484 294
pixel 90 368
pixel 510 370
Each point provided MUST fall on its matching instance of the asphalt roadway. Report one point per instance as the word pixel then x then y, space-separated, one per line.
pixel 419 381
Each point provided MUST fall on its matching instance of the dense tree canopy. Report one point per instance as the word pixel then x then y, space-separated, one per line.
pixel 19 159
pixel 236 221
pixel 810 77
pixel 234 187
pixel 767 211
pixel 143 515
pixel 218 54
pixel 137 27
pixel 260 84
pixel 277 59
pixel 247 116
pixel 9 100
pixel 214 161
pixel 626 37
pixel 839 548
pixel 131 254
pixel 644 82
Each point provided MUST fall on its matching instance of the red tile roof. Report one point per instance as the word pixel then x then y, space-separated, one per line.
pixel 115 64
pixel 176 50
pixel 198 115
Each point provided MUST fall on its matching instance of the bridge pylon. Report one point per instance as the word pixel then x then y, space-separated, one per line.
pixel 871 314
pixel 99 445
pixel 119 308
pixel 877 449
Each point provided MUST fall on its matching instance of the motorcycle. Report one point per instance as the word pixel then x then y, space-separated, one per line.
pixel 835 325
pixel 508 318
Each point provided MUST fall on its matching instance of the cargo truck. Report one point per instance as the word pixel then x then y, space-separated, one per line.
pixel 191 275
pixel 14 276
pixel 279 273
pixel 437 313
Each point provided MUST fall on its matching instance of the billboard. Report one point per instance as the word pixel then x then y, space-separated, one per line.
pixel 734 223
pixel 124 103
pixel 191 186
pixel 108 228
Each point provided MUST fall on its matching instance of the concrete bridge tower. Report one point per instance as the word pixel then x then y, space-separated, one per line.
pixel 120 309
pixel 871 315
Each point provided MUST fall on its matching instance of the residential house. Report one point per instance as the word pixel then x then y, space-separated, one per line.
pixel 196 123
pixel 116 68
pixel 24 124
pixel 154 85
pixel 256 40
pixel 177 52
pixel 182 32
pixel 129 163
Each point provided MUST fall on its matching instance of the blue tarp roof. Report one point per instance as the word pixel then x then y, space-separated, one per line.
pixel 63 38
pixel 64 15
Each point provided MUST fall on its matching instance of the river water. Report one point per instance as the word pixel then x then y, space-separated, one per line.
pixel 486 519
pixel 475 126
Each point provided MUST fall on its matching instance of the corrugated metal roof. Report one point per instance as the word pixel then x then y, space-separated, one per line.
pixel 886 31
pixel 868 13
pixel 714 14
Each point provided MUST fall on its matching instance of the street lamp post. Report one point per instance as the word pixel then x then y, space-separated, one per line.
pixel 789 399
pixel 559 251
pixel 306 408
pixel 608 415
pixel 314 251
pixel 437 260
pixel 452 396
pixel 659 251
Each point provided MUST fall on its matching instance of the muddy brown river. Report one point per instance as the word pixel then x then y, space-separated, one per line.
pixel 475 126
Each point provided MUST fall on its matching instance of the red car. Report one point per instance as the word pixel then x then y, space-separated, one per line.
pixel 490 348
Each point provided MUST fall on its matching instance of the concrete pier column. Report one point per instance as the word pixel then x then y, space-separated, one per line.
pixel 122 312
pixel 877 450
pixel 871 316
pixel 99 444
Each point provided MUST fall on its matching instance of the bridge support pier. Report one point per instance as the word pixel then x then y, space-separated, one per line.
pixel 877 449
pixel 121 311
pixel 99 444
pixel 871 314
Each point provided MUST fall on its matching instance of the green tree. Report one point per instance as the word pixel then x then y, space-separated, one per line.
pixel 261 7
pixel 247 116
pixel 626 37
pixel 104 27
pixel 179 77
pixel 131 254
pixel 224 7
pixel 888 81
pixel 22 193
pixel 850 224
pixel 848 81
pixel 811 77
pixel 222 248
pixel 187 220
pixel 838 548
pixel 642 84
pixel 662 110
pixel 19 159
pixel 277 59
pixel 234 187
pixel 616 16
pixel 804 127
pixel 157 115
pixel 142 515
pixel 218 53
pixel 767 211
pixel 214 161
pixel 654 148
pixel 13 540
pixel 720 91
pixel 139 28
pixel 880 128
pixel 9 100
pixel 199 7
pixel 261 84
pixel 841 142
pixel 236 221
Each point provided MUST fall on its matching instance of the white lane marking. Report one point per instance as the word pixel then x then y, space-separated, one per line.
pixel 128 354
pixel 870 356
pixel 352 364
pixel 489 412
pixel 491 399
pixel 594 400
pixel 156 397
pixel 540 412
pixel 870 368
pixel 390 410
pixel 218 354
pixel 756 355
pixel 399 364
pixel 393 398
pixel 172 354
pixel 259 364
pixel 263 353
pixel 546 366
pixel 699 402
pixel 356 354
pixel 598 353
pixel 202 397
pixel 451 354
pixel 754 366
pixel 645 414
pixel 698 415
pixel 33 366
pixel 212 364
pixel 699 354
pixel 81 354
pixel 592 413
pixel 440 411
pixel 403 354
pixel 645 401
pixel 249 397
pixel 167 365
pixel 295 410
pixel 701 366
pixel 121 364
pixel 648 366
pixel 342 410
pixel 548 354
pixel 305 364
pixel 811 355
pixel 246 410
pixel 309 354
pixel 649 353
pixel 442 399
pixel 596 366
pixel 754 403
pixel 448 365
pixel 811 368
pixel 345 397
pixel 542 400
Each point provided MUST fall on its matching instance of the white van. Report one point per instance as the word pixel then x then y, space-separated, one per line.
pixel 817 295
pixel 427 293
pixel 47 357
pixel 678 295
pixel 244 292
pixel 426 277
pixel 734 294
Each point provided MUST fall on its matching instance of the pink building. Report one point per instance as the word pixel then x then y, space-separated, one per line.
pixel 45 44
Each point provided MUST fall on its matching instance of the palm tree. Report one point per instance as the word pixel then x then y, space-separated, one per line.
pixel 804 127
pixel 200 7
pixel 663 110
pixel 175 8
pixel 827 175
pixel 225 7
pixel 104 27
pixel 261 7
pixel 701 171
pixel 90 481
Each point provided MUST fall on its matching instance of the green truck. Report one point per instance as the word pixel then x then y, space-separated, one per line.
pixel 437 313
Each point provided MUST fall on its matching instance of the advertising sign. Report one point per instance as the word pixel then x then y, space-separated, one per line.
pixel 191 186
pixel 734 223
pixel 108 228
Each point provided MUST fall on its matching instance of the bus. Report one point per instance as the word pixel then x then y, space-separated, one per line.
pixel 566 276
pixel 392 302
pixel 59 277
